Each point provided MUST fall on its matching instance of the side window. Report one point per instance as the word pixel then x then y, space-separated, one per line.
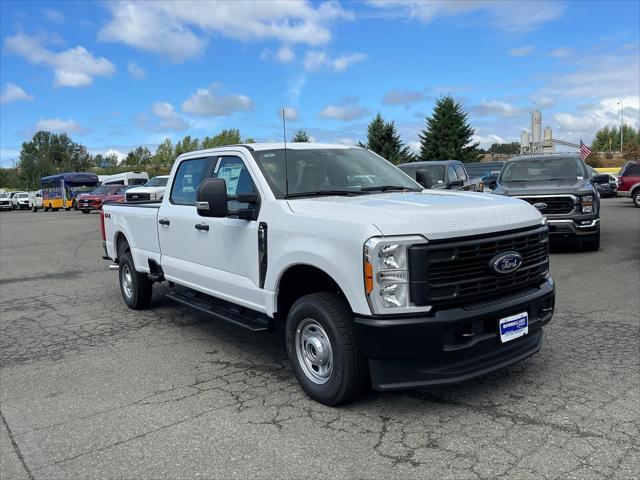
pixel 187 179
pixel 238 179
pixel 460 171
pixel 451 173
pixel 633 170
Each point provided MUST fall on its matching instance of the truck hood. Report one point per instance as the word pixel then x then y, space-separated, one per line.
pixel 432 213
pixel 556 187
pixel 146 189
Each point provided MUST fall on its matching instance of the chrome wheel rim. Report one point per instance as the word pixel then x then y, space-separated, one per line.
pixel 127 281
pixel 314 352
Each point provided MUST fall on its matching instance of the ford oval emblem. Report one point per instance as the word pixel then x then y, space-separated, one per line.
pixel 540 206
pixel 507 262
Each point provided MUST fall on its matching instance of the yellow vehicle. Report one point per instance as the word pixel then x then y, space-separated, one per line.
pixel 62 190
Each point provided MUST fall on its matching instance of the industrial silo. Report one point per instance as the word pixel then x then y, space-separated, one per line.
pixel 524 141
pixel 536 127
pixel 548 136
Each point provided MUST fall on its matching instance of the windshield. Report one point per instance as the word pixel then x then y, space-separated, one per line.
pixel 157 182
pixel 543 169
pixel 81 188
pixel 330 171
pixel 23 195
pixel 106 190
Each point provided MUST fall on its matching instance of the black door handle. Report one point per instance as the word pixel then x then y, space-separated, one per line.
pixel 202 226
pixel 164 221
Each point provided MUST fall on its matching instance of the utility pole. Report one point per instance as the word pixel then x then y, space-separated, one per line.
pixel 621 123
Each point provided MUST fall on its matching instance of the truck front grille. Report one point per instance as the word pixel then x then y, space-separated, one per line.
pixel 137 197
pixel 452 273
pixel 553 205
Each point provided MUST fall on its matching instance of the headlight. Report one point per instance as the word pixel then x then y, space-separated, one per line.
pixel 586 203
pixel 386 274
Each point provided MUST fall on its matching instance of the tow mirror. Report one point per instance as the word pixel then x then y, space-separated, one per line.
pixel 424 178
pixel 456 183
pixel 211 198
pixel 493 185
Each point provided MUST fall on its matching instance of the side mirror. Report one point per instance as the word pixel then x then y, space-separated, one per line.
pixel 493 185
pixel 211 198
pixel 424 178
pixel 456 183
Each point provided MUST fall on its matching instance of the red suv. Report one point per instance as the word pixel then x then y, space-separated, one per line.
pixel 629 182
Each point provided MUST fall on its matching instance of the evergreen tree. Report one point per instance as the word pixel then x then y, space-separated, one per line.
pixel 301 136
pixel 383 139
pixel 608 138
pixel 447 135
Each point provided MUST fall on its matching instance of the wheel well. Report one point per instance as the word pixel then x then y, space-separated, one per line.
pixel 122 245
pixel 301 280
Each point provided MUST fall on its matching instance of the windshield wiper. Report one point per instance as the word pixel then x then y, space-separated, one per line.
pixel 385 188
pixel 318 193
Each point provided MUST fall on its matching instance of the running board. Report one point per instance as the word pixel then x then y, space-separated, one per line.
pixel 240 316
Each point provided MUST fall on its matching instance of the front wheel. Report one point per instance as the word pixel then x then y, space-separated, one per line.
pixel 591 243
pixel 636 198
pixel 136 288
pixel 85 211
pixel 323 349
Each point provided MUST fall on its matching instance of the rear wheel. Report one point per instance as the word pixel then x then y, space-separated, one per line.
pixel 85 211
pixel 636 197
pixel 323 349
pixel 136 288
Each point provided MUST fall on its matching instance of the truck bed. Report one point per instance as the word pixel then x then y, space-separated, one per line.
pixel 139 222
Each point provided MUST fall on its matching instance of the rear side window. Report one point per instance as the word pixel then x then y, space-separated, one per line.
pixel 632 170
pixel 460 172
pixel 188 177
pixel 451 173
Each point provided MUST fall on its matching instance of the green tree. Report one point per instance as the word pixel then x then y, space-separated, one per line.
pixel 164 155
pixel 301 136
pixel 225 137
pixel 607 139
pixel 383 138
pixel 187 144
pixel 504 148
pixel 111 160
pixel 48 153
pixel 448 135
pixel 138 156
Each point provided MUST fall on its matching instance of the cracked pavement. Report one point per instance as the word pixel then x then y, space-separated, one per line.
pixel 91 389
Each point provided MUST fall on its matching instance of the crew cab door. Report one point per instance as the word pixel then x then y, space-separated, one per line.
pixel 217 256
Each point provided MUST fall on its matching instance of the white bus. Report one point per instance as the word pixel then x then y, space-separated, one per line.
pixel 126 178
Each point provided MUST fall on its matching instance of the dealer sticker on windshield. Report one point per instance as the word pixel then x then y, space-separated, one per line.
pixel 514 326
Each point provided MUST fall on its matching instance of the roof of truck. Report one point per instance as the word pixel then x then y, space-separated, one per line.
pixel 257 147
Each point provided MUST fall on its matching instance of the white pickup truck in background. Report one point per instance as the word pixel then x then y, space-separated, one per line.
pixel 377 283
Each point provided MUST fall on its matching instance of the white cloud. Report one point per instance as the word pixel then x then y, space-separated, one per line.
pixel 543 102
pixel 316 60
pixel 495 108
pixel 119 155
pixel 402 97
pixel 561 52
pixel 136 70
pixel 75 67
pixel 53 15
pixel 595 116
pixel 57 125
pixel 181 29
pixel 169 119
pixel 290 114
pixel 295 86
pixel 13 93
pixel 521 51
pixel 285 54
pixel 346 141
pixel 520 16
pixel 347 110
pixel 487 141
pixel 208 102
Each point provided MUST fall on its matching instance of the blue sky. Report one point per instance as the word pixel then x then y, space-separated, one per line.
pixel 115 75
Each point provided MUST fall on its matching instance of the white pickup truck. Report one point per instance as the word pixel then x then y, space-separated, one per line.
pixel 377 283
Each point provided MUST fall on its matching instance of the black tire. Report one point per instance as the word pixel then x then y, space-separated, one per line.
pixel 348 377
pixel 67 209
pixel 136 288
pixel 85 211
pixel 35 209
pixel 591 243
pixel 635 195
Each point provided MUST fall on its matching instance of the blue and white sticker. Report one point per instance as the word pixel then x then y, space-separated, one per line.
pixel 513 327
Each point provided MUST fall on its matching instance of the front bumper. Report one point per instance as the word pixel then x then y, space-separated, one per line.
pixel 564 227
pixel 451 346
pixel 89 206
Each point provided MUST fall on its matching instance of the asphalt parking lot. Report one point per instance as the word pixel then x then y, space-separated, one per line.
pixel 91 389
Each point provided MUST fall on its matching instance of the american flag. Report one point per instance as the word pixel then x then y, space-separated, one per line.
pixel 584 151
